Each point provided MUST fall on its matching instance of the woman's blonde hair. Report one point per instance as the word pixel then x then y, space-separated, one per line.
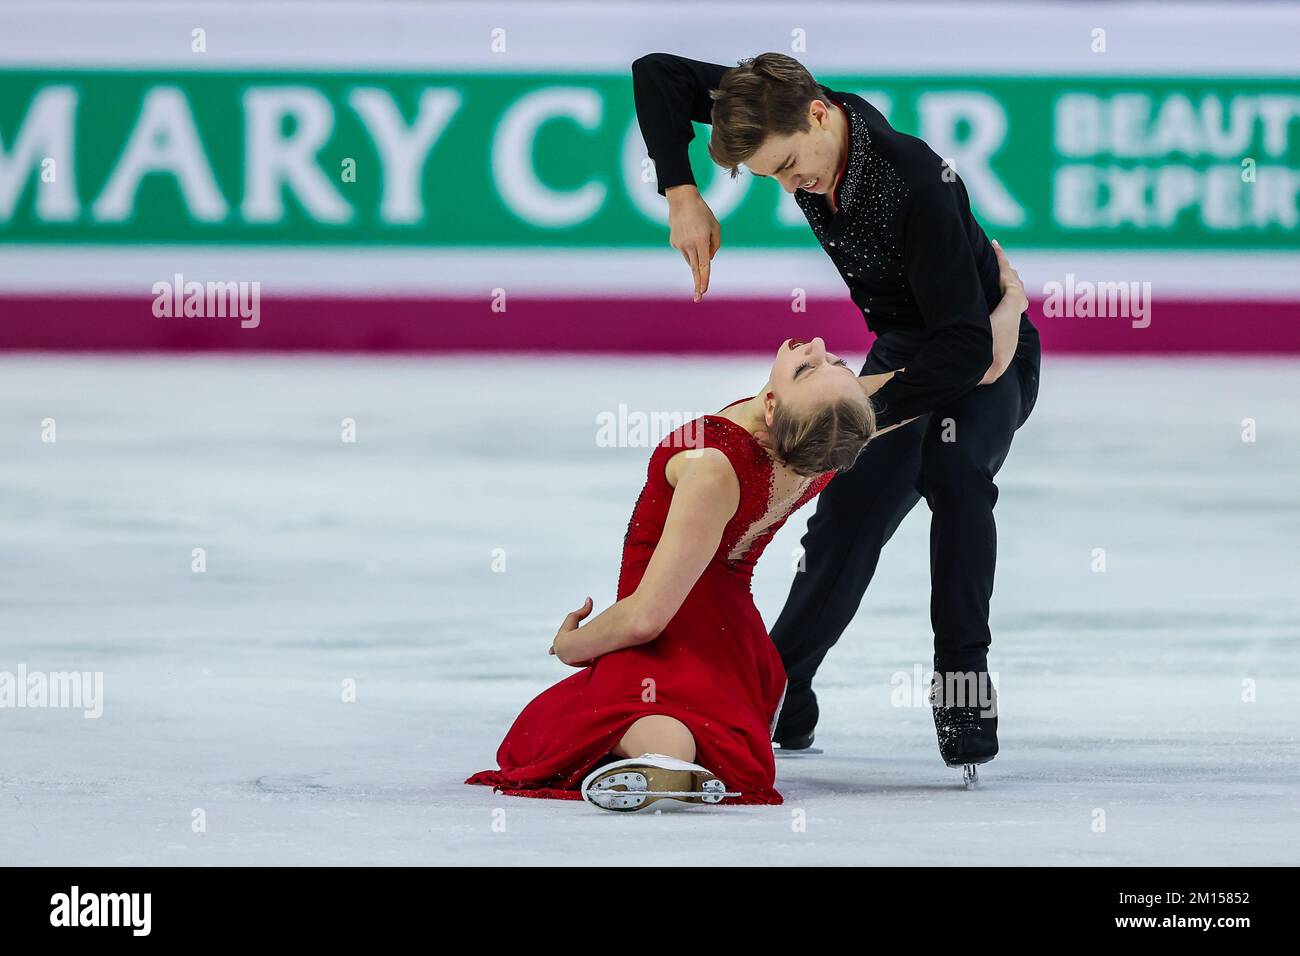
pixel 830 438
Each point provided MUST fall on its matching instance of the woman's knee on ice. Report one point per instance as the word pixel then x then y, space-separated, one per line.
pixel 658 734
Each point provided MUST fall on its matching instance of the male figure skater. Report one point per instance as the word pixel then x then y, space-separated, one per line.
pixel 897 224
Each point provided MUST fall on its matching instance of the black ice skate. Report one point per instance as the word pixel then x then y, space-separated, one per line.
pixel 965 709
pixel 793 733
pixel 792 745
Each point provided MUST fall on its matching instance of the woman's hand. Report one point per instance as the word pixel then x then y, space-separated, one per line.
pixel 1009 281
pixel 1005 319
pixel 560 647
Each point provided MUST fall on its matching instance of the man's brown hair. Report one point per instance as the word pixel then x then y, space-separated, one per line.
pixel 764 95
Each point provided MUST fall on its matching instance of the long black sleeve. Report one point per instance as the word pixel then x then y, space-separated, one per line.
pixel 669 92
pixel 941 271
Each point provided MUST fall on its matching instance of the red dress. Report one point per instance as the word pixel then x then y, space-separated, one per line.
pixel 713 667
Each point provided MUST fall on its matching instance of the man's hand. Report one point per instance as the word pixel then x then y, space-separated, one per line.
pixel 693 231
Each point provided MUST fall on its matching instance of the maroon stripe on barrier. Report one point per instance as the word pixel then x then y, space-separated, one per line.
pixel 604 324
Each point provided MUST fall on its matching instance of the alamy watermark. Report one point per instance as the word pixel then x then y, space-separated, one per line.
pixel 630 428
pixel 956 689
pixel 129 910
pixel 211 300
pixel 63 690
pixel 1101 300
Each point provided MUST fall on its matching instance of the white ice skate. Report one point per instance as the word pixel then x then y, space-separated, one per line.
pixel 638 783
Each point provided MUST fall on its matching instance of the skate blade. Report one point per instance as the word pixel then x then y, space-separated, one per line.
pixel 640 786
pixel 967 762
pixel 796 752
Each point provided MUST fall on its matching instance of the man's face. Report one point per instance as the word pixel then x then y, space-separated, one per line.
pixel 807 160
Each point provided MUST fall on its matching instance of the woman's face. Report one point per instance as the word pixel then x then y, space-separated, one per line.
pixel 805 375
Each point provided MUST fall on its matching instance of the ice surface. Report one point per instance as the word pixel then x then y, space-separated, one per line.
pixel 1120 692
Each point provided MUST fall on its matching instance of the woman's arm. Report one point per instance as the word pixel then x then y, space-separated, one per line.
pixel 1005 319
pixel 872 384
pixel 706 496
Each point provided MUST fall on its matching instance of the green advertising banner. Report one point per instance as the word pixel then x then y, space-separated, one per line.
pixel 482 159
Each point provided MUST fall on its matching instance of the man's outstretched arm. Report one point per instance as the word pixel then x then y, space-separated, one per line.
pixel 670 91
pixel 940 268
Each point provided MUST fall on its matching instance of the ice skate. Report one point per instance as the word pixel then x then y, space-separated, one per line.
pixel 797 745
pixel 798 711
pixel 652 781
pixel 968 735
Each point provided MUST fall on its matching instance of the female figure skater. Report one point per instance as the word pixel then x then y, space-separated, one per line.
pixel 680 685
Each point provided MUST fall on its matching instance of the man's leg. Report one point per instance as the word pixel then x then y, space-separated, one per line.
pixel 965 444
pixel 856 514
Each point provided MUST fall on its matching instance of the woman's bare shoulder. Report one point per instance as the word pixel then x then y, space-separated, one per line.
pixel 709 464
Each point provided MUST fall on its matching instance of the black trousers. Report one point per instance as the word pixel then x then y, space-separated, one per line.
pixel 949 458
